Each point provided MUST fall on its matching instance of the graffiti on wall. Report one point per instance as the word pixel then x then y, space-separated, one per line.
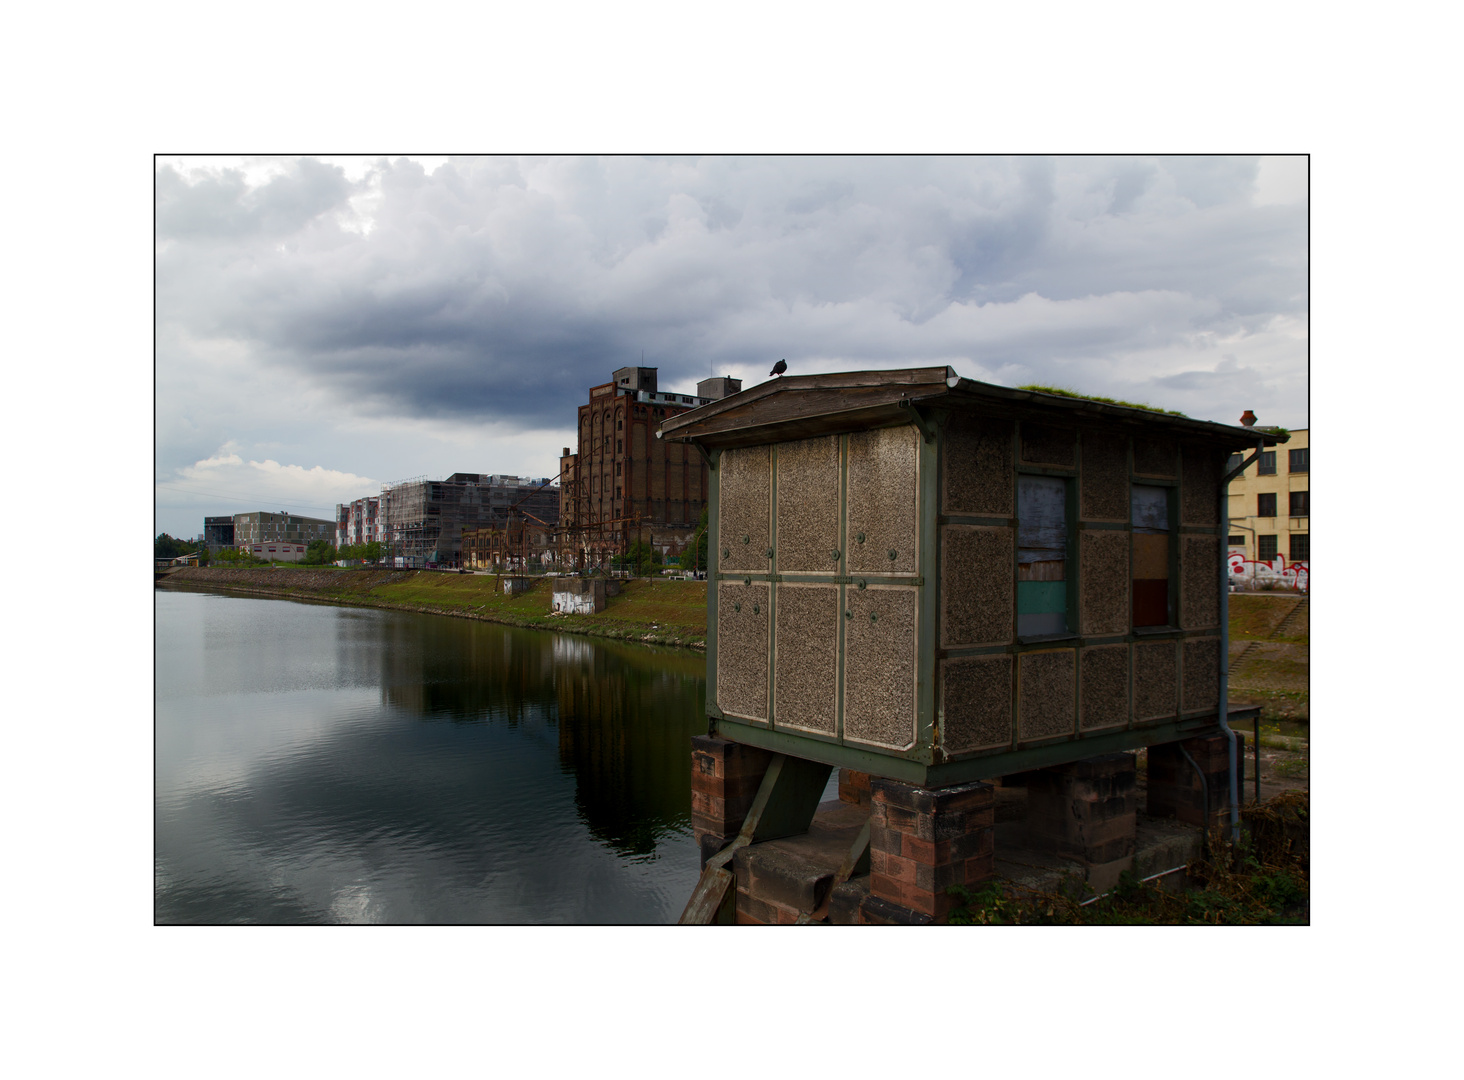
pixel 1278 573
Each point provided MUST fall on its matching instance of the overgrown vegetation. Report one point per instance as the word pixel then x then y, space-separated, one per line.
pixel 695 555
pixel 1063 391
pixel 1263 880
pixel 170 547
pixel 658 611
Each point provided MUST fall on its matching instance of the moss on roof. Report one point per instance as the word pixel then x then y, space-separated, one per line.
pixel 1061 391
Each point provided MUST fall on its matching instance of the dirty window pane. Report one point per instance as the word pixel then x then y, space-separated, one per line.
pixel 1041 555
pixel 1150 517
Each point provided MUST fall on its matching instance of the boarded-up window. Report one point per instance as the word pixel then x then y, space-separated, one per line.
pixel 1150 506
pixel 1041 555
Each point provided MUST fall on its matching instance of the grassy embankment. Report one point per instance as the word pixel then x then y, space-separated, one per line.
pixel 1270 666
pixel 652 610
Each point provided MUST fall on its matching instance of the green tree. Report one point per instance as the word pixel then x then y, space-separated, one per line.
pixel 641 558
pixel 319 553
pixel 695 555
pixel 168 547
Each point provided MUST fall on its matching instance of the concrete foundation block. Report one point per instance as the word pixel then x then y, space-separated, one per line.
pixel 877 911
pixel 846 899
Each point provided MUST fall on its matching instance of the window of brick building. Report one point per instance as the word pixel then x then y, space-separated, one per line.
pixel 1265 548
pixel 1301 504
pixel 1267 465
pixel 1301 547
pixel 1235 541
pixel 1266 504
pixel 1300 460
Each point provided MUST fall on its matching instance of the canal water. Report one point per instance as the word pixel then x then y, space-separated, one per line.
pixel 321 764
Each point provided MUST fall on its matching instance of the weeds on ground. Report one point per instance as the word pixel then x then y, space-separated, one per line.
pixel 1260 881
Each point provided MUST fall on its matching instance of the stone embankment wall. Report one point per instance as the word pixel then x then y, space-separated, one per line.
pixel 327 579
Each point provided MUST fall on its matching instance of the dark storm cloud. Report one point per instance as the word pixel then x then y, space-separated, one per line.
pixel 498 290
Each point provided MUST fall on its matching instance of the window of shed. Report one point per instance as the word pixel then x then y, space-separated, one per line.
pixel 1041 555
pixel 1150 516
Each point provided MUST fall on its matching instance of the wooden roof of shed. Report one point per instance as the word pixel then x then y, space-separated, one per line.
pixel 802 406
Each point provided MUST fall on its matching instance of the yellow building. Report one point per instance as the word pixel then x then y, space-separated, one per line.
pixel 1270 515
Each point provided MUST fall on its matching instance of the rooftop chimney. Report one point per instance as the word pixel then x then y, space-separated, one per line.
pixel 1248 418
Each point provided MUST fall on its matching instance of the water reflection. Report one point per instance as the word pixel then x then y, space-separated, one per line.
pixel 318 764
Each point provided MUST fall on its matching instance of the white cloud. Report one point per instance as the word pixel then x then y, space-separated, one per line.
pixel 398 317
pixel 1282 181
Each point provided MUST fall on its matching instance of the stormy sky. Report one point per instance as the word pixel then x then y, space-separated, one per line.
pixel 327 325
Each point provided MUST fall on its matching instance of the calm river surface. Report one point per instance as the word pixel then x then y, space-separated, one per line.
pixel 319 764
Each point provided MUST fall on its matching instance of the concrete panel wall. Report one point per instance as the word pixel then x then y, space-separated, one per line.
pixel 978 470
pixel 808 505
pixel 806 666
pixel 1103 674
pixel 745 509
pixel 1103 602
pixel 1103 485
pixel 1156 680
pixel 1042 445
pixel 742 649
pixel 1202 673
pixel 1156 456
pixel 1046 694
pixel 1199 576
pixel 976 695
pixel 879 665
pixel 884 475
pixel 1199 487
pixel 978 598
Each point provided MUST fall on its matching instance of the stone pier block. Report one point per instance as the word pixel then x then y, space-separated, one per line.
pixel 922 841
pixel 1086 810
pixel 725 777
pixel 854 787
pixel 1175 789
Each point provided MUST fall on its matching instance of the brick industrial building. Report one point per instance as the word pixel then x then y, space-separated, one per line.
pixel 623 485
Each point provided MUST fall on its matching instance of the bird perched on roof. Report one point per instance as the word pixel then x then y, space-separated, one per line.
pixel 780 367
